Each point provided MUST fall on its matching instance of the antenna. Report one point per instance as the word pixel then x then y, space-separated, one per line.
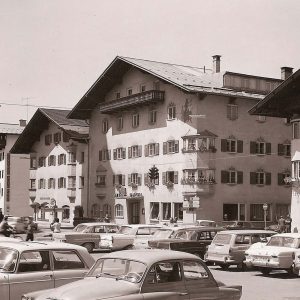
pixel 27 106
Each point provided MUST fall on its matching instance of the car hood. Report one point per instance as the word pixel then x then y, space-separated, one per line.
pixel 93 288
pixel 269 250
pixel 62 235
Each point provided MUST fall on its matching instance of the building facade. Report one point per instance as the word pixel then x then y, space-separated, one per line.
pixel 214 160
pixel 58 150
pixel 13 172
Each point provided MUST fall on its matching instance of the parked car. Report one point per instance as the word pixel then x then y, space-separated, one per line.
pixel 127 236
pixel 87 235
pixel 32 266
pixel 278 253
pixel 26 222
pixel 193 240
pixel 242 225
pixel 228 247
pixel 206 223
pixel 17 223
pixel 144 274
pixel 274 227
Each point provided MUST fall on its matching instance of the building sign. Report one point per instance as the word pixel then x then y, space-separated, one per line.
pixel 45 198
pixel 196 202
pixel 185 205
pixel 131 195
pixel 136 195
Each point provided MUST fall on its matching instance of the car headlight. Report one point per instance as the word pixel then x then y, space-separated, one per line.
pixel 25 297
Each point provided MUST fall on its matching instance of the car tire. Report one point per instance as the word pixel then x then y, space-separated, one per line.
pixel 293 272
pixel 88 246
pixel 224 266
pixel 242 266
pixel 128 247
pixel 265 271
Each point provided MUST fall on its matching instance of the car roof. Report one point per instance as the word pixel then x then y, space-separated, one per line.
pixel 202 228
pixel 206 221
pixel 251 231
pixel 98 223
pixel 141 225
pixel 293 235
pixel 150 256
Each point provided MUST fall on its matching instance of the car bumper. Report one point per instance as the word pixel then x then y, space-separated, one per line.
pixel 221 259
pixel 263 263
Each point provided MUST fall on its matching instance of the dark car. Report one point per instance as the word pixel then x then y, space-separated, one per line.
pixel 26 222
pixel 193 240
pixel 236 225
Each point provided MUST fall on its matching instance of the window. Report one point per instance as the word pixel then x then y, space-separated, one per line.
pixel 260 178
pixel 61 159
pixel 167 271
pixel 156 85
pixel 72 157
pixel 166 211
pixel 170 177
pixel 260 147
pixel 119 179
pixel 171 112
pixel 257 212
pixel 152 149
pixel 51 160
pixel 118 95
pixel 32 184
pixel 134 151
pixel 232 111
pixel 152 116
pixel 101 180
pixel 61 182
pixel 129 92
pixel 270 86
pixel 232 176
pixel 171 147
pixel 143 88
pixel 119 211
pixel 72 182
pixel 245 83
pixel 261 119
pixel 296 130
pixel 104 126
pixel 135 178
pixel 48 139
pixel 42 183
pixel 120 124
pixel 178 212
pixel 119 153
pixel 81 182
pixel 284 149
pixel 42 162
pixel 154 210
pixel 95 210
pixel 135 120
pixel 286 121
pixel 66 259
pixel 51 183
pixel 34 261
pixel 33 163
pixel 231 146
pixel 281 178
pixel 57 137
pixel 283 210
pixel 107 210
pixel 66 137
pixel 234 212
pixel 104 155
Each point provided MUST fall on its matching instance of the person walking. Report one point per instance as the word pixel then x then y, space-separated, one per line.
pixel 5 229
pixel 288 223
pixel 29 236
pixel 281 224
pixel 56 226
pixel 1 216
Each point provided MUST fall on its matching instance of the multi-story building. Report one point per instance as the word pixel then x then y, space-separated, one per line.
pixel 214 160
pixel 58 150
pixel 13 172
pixel 284 102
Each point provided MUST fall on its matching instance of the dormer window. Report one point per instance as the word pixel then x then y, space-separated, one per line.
pixel 129 92
pixel 143 88
pixel 118 95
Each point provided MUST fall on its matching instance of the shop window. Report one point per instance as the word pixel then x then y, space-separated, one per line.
pixel 166 211
pixel 154 210
pixel 257 212
pixel 234 212
pixel 178 212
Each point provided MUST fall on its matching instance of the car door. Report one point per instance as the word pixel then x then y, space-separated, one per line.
pixel 141 237
pixel 33 273
pixel 199 282
pixel 164 281
pixel 68 266
pixel 241 244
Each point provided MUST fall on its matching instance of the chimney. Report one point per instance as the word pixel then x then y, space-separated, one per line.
pixel 286 72
pixel 22 123
pixel 216 63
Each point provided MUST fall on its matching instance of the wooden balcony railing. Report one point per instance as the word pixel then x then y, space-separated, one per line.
pixel 132 100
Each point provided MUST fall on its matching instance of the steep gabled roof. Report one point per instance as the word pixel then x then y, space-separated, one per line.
pixel 77 129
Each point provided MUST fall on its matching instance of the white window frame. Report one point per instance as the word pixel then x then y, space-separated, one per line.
pixel 260 148
pixel 119 211
pixel 101 180
pixel 296 128
pixel 135 120
pixel 119 153
pixel 233 115
pixel 287 150
pixel 135 178
pixel 171 146
pixel 231 145
pixel 260 178
pixel 120 123
pixel 105 126
pixel 71 182
pixel 261 119
pixel 143 88
pixel 105 155
pixel 129 92
pixel 172 112
pixel 168 176
pixel 151 148
pixel 135 151
pixel 231 177
pixel 152 116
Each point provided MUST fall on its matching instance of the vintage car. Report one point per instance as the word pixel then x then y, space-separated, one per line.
pixel 206 223
pixel 228 247
pixel 144 274
pixel 241 225
pixel 26 222
pixel 87 235
pixel 32 266
pixel 193 240
pixel 17 224
pixel 278 253
pixel 127 236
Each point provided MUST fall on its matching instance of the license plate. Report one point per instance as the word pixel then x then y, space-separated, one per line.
pixel 261 258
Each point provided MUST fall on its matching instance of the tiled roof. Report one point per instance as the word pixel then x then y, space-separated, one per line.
pixel 11 128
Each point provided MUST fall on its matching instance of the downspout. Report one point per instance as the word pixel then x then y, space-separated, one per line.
pixel 88 178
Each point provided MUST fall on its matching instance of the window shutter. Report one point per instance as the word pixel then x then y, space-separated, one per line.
pixel 252 178
pixel 58 183
pixel 123 179
pixel 268 148
pixel 54 160
pixel 64 182
pixel 223 176
pixel 100 155
pixel 280 179
pixel 239 146
pixel 157 149
pixel 59 136
pixel 46 140
pixel 239 177
pixel 139 179
pixel 139 151
pixel 228 111
pixel 129 178
pixel 176 146
pixel 280 149
pixel 223 145
pixel 49 161
pixel 115 153
pixel 268 178
pixel 39 184
pixel 253 147
pixel 48 183
pixel 129 152
pixel 123 153
pixel 58 160
pixel 138 120
pixel 146 150
pixel 65 158
pixel 165 148
pixel 109 154
pixel 164 175
pixel 146 177
pixel 54 183
pixel 176 177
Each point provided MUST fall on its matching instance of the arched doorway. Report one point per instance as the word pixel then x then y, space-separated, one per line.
pixel 66 213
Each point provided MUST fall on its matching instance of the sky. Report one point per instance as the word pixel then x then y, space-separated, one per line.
pixel 52 51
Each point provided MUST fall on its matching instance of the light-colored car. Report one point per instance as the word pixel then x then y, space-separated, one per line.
pixel 32 266
pixel 228 247
pixel 144 274
pixel 278 253
pixel 87 235
pixel 206 223
pixel 127 236
pixel 17 223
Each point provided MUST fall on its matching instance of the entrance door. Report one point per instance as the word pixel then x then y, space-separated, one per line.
pixel 135 213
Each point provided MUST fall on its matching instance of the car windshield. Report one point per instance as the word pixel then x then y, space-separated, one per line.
pixel 283 241
pixel 125 230
pixel 8 259
pixel 82 228
pixel 163 233
pixel 208 223
pixel 13 219
pixel 118 268
pixel 222 239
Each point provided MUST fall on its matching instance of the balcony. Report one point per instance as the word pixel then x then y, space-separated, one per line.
pixel 71 192
pixel 198 185
pixel 32 193
pixel 132 101
pixel 71 170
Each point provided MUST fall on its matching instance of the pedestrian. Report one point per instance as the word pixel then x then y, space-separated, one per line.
pixel 29 236
pixel 5 229
pixel 1 216
pixel 56 226
pixel 175 220
pixel 225 217
pixel 288 223
pixel 106 219
pixel 171 221
pixel 281 224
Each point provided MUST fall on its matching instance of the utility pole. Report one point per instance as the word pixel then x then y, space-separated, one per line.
pixel 27 106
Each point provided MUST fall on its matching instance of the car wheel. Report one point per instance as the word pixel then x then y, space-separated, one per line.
pixel 293 272
pixel 128 247
pixel 265 271
pixel 224 266
pixel 242 266
pixel 88 246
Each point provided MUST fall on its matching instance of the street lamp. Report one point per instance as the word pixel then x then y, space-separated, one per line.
pixel 265 207
pixel 53 204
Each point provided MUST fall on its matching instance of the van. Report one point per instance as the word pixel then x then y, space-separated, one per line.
pixel 228 247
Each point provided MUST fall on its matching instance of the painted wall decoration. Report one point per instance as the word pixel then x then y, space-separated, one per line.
pixel 186 111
